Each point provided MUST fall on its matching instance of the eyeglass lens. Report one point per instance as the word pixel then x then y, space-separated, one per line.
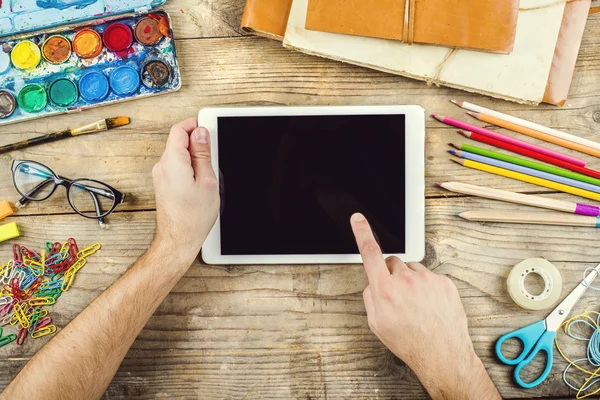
pixel 34 181
pixel 90 198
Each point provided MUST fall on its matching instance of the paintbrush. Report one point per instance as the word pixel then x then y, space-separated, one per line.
pixel 99 126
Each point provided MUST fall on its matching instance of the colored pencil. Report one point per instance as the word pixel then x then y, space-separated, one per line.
pixel 520 198
pixel 537 218
pixel 529 179
pixel 527 124
pixel 531 154
pixel 535 134
pixel 524 170
pixel 526 163
pixel 508 139
pixel 99 126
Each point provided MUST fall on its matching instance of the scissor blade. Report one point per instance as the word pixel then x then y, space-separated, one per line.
pixel 561 312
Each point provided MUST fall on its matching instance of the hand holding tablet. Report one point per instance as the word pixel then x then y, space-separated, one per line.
pixel 291 177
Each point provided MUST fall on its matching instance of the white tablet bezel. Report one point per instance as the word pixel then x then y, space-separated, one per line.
pixel 415 181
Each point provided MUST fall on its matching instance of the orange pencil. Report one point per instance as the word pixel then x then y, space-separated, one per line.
pixel 535 134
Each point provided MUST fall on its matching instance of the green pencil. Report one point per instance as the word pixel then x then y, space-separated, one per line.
pixel 526 163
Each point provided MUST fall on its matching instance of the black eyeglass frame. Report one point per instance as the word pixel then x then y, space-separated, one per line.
pixel 119 197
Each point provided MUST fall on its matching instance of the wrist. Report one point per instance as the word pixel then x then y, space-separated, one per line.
pixel 177 254
pixel 452 378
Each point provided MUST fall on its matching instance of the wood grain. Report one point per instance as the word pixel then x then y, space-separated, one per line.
pixel 273 332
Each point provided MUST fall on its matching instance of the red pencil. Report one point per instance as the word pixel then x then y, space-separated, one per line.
pixel 532 154
pixel 508 139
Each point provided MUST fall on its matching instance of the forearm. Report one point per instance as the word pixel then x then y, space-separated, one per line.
pixel 465 379
pixel 82 359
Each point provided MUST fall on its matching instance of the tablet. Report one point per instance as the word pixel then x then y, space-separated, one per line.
pixel 291 177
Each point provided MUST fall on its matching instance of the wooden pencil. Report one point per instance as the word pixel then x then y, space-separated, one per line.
pixel 534 134
pixel 531 154
pixel 527 163
pixel 509 140
pixel 99 126
pixel 526 178
pixel 520 198
pixel 536 218
pixel 527 124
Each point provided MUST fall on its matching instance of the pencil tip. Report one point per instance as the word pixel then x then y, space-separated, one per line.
pixel 456 146
pixel 458 103
pixel 473 114
pixel 452 151
pixel 438 184
pixel 457 160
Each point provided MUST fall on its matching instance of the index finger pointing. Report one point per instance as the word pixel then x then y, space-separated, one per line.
pixel 369 248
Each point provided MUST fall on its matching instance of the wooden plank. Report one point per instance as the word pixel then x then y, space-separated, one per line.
pixel 255 71
pixel 298 331
pixel 211 18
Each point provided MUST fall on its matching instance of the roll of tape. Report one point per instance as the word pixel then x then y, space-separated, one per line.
pixel 552 284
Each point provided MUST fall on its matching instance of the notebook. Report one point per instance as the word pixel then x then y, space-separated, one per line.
pixel 488 25
pixel 532 73
pixel 266 18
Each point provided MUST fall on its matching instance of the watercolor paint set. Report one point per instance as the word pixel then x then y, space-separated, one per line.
pixel 60 56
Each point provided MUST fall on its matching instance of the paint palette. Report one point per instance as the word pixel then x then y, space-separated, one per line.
pixel 86 64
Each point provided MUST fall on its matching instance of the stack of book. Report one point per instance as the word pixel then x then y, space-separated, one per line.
pixel 519 50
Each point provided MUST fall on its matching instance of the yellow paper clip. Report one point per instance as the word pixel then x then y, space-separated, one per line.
pixel 6 267
pixel 21 316
pixel 88 251
pixel 68 280
pixel 77 265
pixel 41 301
pixel 14 320
pixel 47 330
pixel 64 247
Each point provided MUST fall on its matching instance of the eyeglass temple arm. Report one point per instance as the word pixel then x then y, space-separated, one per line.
pixel 98 210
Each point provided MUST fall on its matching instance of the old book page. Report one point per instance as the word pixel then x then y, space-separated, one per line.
pixel 520 76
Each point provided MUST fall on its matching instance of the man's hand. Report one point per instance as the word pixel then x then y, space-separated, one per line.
pixel 418 315
pixel 186 188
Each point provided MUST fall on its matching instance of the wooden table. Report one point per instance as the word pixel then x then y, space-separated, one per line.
pixel 263 332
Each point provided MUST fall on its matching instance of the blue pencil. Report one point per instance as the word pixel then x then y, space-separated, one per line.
pixel 525 170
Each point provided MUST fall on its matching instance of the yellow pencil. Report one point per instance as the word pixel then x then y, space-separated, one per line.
pixel 527 178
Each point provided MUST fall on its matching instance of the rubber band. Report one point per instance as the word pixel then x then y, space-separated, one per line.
pixel 592 352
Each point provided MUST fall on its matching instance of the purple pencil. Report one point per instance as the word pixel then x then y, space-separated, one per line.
pixel 520 198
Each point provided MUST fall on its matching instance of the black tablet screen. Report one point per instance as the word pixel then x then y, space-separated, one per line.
pixel 290 184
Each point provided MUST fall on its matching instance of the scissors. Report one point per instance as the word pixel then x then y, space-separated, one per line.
pixel 540 336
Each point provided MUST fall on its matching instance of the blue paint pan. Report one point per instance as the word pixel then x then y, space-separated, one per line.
pixel 93 86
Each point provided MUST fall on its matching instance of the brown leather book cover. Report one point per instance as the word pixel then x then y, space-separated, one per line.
pixel 567 49
pixel 488 25
pixel 266 17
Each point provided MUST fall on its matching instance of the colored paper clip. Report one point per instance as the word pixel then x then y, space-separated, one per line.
pixel 21 316
pixel 44 322
pixel 35 319
pixel 68 281
pixel 88 251
pixel 21 336
pixel 17 256
pixel 7 339
pixel 8 272
pixel 41 301
pixel 47 330
pixel 6 300
pixel 50 285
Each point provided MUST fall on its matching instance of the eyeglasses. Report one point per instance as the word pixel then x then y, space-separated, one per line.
pixel 87 197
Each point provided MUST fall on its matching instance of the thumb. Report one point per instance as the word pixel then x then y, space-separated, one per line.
pixel 200 153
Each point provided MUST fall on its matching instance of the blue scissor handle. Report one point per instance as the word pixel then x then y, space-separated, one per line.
pixel 529 335
pixel 546 344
